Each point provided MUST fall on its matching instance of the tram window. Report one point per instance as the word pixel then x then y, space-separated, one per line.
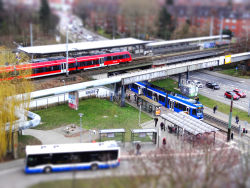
pixel 176 105
pixel 134 86
pixel 161 98
pixel 149 93
pixel 193 111
pixel 181 106
pixel 109 58
pixel 184 108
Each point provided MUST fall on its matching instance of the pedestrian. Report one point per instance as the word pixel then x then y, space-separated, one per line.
pixel 162 126
pixel 128 97
pixel 237 119
pixel 138 147
pixel 156 120
pixel 164 142
pixel 215 108
pixel 135 97
pixel 232 136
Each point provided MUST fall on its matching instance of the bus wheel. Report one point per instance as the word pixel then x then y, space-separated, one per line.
pixel 94 167
pixel 47 170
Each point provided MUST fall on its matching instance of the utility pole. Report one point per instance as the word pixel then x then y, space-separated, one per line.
pixel 67 52
pixel 211 26
pixel 31 39
pixel 80 114
pixel 230 120
pixel 221 27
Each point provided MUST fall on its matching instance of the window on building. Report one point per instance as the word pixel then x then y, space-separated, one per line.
pixel 234 20
pixel 227 20
pixel 233 27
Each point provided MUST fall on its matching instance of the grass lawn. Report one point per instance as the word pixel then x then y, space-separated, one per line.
pixel 24 140
pixel 170 84
pixel 98 114
pixel 113 182
pixel 233 72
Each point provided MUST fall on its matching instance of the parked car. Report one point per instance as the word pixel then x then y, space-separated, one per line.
pixel 229 94
pixel 198 83
pixel 240 93
pixel 212 85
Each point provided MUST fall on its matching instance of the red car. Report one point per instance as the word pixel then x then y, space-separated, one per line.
pixel 229 94
pixel 240 93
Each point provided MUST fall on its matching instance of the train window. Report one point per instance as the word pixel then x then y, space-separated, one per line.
pixel 47 69
pixel 109 58
pixel 95 62
pixel 88 63
pixel 114 57
pixel 193 111
pixel 39 70
pixel 120 57
pixel 161 98
pixel 184 108
pixel 71 65
pixel 127 56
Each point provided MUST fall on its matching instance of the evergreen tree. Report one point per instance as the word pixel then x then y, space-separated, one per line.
pixel 45 16
pixel 166 26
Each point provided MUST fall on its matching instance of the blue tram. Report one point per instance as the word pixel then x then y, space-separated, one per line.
pixel 171 100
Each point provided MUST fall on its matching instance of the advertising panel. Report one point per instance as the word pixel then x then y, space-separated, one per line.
pixel 74 100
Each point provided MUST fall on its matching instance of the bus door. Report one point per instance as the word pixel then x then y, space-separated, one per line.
pixel 101 60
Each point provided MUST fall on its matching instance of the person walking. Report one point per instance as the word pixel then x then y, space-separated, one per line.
pixel 162 126
pixel 156 120
pixel 215 108
pixel 138 147
pixel 237 119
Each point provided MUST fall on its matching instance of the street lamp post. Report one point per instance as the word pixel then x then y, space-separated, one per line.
pixel 140 113
pixel 64 93
pixel 230 120
pixel 80 114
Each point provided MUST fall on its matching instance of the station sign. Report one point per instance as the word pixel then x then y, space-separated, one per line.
pixel 228 59
pixel 74 100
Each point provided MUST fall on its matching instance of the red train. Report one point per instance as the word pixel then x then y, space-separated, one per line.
pixel 57 65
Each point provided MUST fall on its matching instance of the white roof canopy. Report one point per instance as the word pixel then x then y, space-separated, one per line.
pixel 82 46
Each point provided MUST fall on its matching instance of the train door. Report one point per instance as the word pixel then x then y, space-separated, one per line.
pixel 63 67
pixel 101 61
pixel 187 111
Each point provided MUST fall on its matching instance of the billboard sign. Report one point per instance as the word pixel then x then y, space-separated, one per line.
pixel 74 100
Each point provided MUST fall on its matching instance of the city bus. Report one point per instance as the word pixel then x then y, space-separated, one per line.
pixel 66 157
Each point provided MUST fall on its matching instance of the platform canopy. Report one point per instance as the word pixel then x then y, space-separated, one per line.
pixel 82 46
pixel 196 39
pixel 188 123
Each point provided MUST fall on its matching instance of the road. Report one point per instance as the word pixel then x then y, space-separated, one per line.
pixel 14 176
pixel 225 85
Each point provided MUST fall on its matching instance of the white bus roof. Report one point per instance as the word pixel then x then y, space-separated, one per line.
pixel 75 147
pixel 196 39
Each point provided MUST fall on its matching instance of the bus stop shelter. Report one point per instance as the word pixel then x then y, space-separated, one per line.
pixel 110 134
pixel 189 127
pixel 149 105
pixel 143 134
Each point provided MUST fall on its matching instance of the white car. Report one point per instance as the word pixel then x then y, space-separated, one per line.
pixel 198 83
